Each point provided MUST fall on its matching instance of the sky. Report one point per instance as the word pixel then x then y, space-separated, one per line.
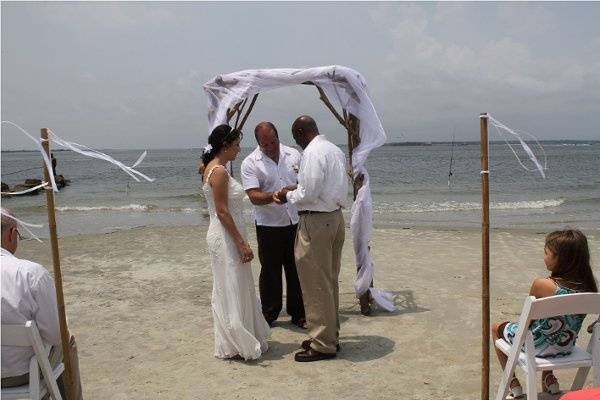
pixel 130 75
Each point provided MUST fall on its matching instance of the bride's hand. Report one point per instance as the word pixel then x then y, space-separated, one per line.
pixel 246 254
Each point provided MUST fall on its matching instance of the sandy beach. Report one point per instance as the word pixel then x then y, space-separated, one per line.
pixel 138 302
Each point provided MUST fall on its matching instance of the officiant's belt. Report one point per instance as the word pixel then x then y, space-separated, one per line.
pixel 306 212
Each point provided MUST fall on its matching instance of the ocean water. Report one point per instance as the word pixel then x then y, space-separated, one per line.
pixel 409 186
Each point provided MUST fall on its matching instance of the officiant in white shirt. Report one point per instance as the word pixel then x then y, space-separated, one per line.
pixel 269 168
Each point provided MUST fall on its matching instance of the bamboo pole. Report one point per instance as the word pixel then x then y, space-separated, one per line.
pixel 62 317
pixel 485 260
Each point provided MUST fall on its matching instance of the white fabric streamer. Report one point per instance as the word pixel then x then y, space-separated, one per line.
pixel 78 148
pixel 86 151
pixel 501 127
pixel 25 225
pixel 26 190
pixel 348 89
pixel 41 150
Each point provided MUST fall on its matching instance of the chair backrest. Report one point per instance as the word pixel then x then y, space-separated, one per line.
pixel 16 335
pixel 28 335
pixel 567 304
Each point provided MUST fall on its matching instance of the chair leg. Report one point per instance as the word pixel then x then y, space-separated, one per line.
pixel 532 393
pixel 34 383
pixel 504 385
pixel 579 380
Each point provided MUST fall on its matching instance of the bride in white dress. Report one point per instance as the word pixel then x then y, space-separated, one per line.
pixel 240 328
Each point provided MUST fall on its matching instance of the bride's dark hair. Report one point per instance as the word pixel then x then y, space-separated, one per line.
pixel 221 136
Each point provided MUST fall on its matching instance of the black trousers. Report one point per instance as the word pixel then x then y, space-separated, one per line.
pixel 276 249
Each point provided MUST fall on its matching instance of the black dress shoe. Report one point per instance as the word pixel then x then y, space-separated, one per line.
pixel 312 355
pixel 306 345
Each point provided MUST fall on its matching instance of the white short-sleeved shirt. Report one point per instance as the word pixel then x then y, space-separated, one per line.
pixel 27 294
pixel 322 179
pixel 261 172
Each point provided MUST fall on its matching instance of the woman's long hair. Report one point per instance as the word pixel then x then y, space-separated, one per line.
pixel 221 136
pixel 573 260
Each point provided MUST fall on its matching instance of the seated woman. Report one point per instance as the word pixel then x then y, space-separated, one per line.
pixel 567 257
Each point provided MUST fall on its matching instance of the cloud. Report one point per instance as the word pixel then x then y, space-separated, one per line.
pixel 107 17
pixel 454 74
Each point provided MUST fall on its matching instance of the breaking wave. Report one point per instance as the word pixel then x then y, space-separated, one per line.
pixel 450 206
pixel 130 207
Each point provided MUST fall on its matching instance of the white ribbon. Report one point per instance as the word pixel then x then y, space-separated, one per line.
pixel 86 151
pixel 43 184
pixel 78 148
pixel 41 150
pixel 501 127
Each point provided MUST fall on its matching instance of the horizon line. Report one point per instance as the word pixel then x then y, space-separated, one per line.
pixel 337 144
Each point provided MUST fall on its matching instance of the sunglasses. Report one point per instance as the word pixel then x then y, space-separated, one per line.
pixel 19 236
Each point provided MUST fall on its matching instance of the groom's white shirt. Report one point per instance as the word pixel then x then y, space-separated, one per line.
pixel 322 179
pixel 261 172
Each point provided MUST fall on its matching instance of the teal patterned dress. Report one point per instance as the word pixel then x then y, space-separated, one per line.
pixel 553 336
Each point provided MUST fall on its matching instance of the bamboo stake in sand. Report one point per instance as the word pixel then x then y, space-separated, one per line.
pixel 485 260
pixel 62 318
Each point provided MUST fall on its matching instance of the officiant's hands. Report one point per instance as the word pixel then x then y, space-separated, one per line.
pixel 246 253
pixel 279 197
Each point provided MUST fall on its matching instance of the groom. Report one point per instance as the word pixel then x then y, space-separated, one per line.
pixel 321 192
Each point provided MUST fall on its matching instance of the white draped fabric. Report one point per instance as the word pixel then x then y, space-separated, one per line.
pixel 78 148
pixel 345 88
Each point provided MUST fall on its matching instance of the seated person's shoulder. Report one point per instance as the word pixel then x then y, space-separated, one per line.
pixel 28 268
pixel 542 287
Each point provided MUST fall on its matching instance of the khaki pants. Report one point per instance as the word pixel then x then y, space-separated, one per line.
pixel 55 357
pixel 318 251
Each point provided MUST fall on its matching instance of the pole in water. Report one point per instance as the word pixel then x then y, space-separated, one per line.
pixel 451 160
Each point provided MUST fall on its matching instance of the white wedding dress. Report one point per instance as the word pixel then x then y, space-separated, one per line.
pixel 240 328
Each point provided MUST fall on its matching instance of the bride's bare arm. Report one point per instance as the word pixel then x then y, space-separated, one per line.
pixel 219 182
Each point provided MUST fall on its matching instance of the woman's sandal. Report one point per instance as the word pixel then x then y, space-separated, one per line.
pixel 516 391
pixel 550 385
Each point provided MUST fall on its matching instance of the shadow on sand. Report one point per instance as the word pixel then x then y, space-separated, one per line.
pixel 405 303
pixel 364 348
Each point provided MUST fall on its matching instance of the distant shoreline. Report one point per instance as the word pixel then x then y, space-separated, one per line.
pixel 392 144
pixel 473 142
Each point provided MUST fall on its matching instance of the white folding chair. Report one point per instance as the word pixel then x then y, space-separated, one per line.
pixel 27 335
pixel 583 360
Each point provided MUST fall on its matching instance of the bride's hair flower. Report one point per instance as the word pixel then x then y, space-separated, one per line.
pixel 207 149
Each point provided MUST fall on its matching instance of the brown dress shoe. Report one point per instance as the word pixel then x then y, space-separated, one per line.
pixel 311 355
pixel 306 345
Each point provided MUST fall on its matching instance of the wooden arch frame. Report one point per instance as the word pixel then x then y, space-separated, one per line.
pixel 352 125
